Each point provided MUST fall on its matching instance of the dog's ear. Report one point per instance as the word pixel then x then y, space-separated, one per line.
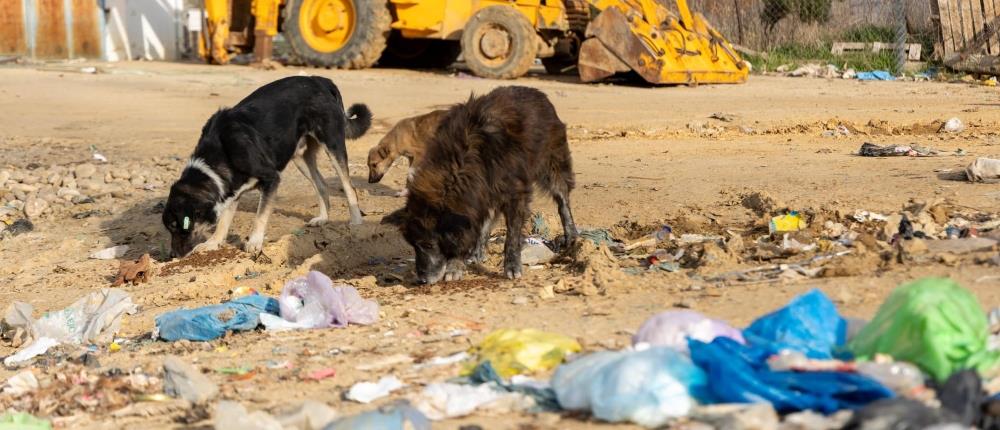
pixel 397 218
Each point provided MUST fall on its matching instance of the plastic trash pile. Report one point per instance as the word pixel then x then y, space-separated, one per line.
pixel 896 368
pixel 312 301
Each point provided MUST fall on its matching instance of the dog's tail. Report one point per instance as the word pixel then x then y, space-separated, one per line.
pixel 359 120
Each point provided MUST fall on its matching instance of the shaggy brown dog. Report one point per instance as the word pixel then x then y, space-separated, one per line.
pixel 408 138
pixel 486 158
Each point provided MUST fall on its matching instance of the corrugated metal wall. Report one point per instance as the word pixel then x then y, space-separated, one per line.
pixel 51 29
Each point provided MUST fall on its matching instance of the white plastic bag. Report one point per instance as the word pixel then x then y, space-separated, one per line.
pixel 367 392
pixel 673 328
pixel 313 301
pixel 446 400
pixel 94 319
pixel 648 387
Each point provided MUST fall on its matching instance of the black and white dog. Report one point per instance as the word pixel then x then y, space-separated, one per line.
pixel 247 146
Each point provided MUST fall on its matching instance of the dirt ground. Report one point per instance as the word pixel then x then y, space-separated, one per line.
pixel 643 157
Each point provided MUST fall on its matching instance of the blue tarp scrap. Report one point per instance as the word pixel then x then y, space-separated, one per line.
pixel 876 75
pixel 740 374
pixel 212 322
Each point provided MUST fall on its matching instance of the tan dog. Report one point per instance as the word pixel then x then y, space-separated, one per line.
pixel 408 138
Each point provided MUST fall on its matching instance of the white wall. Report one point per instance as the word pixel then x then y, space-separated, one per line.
pixel 143 29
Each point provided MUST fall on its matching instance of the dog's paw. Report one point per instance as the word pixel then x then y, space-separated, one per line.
pixel 513 273
pixel 205 247
pixel 512 269
pixel 356 220
pixel 402 193
pixel 455 271
pixel 254 245
pixel 320 220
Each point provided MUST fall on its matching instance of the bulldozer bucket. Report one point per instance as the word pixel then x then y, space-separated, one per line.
pixel 658 46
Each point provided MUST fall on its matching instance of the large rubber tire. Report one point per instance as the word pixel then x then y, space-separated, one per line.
pixel 364 44
pixel 502 22
pixel 419 53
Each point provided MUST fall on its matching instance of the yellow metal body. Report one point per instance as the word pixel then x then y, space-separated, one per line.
pixel 445 19
pixel 637 35
pixel 664 48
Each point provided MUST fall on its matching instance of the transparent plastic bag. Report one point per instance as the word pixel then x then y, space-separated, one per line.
pixel 313 301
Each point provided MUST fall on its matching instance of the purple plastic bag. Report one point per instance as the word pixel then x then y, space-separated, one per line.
pixel 673 328
pixel 313 301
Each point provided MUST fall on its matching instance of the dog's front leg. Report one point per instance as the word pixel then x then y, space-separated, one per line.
pixel 255 243
pixel 515 216
pixel 225 214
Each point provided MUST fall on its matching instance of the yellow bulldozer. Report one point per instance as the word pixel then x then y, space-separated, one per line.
pixel 497 38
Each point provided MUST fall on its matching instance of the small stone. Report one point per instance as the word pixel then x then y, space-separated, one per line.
pixel 589 290
pixel 91 185
pixel 138 181
pixel 34 207
pixel 916 246
pixel 108 178
pixel 29 180
pixel 737 416
pixel 54 179
pixel 82 199
pixel 948 259
pixel 67 193
pixel 532 254
pixel 121 174
pixel 684 304
pixel 547 292
pixel 120 194
pixel 520 300
pixel 4 176
pixel 183 380
pixel 84 171
pixel 49 196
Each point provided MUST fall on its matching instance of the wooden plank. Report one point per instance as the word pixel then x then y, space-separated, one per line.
pixel 989 13
pixel 975 46
pixel 50 33
pixel 86 29
pixel 12 40
pixel 948 28
pixel 968 27
pixel 976 18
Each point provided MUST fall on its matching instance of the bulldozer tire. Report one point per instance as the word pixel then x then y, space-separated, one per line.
pixel 345 34
pixel 419 53
pixel 498 42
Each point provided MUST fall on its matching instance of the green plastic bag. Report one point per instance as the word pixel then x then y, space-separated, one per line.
pixel 933 323
pixel 22 421
pixel 515 352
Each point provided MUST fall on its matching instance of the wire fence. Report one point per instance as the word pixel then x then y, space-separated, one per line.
pixel 860 34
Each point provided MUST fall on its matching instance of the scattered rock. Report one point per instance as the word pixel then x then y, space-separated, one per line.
pixel 84 171
pixel 520 300
pixel 34 207
pixel 184 381
pixel 536 253
pixel 737 416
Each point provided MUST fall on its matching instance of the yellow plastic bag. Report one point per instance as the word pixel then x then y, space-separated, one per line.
pixel 787 223
pixel 514 352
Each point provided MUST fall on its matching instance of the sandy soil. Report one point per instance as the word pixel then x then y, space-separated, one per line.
pixel 643 157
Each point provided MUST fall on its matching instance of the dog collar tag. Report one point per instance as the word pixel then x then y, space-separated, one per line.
pixel 187 223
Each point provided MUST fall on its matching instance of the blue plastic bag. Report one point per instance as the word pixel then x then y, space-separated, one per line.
pixel 398 416
pixel 876 75
pixel 647 387
pixel 808 324
pixel 212 322
pixel 740 374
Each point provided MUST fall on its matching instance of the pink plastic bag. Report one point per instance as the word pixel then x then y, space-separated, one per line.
pixel 313 301
pixel 673 328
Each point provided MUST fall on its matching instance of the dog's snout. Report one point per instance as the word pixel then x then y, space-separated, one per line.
pixel 421 281
pixel 374 178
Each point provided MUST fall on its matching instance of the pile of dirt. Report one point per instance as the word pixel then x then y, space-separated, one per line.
pixel 200 260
